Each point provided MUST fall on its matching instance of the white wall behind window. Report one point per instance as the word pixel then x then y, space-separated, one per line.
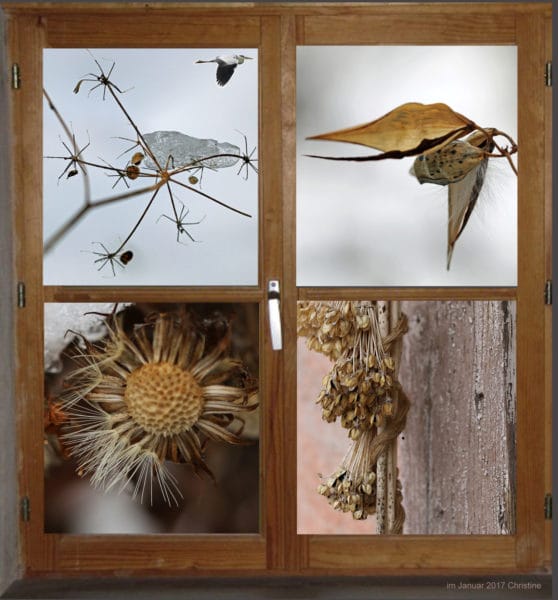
pixel 373 223
pixel 166 91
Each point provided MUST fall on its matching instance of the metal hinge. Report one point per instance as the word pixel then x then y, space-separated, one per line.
pixel 548 506
pixel 25 508
pixel 548 74
pixel 548 292
pixel 16 80
pixel 20 294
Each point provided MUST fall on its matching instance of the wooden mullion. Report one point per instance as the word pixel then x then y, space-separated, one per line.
pixel 178 30
pixel 25 42
pixel 351 554
pixel 419 27
pixel 297 546
pixel 407 293
pixel 530 297
pixel 548 308
pixel 152 294
pixel 274 445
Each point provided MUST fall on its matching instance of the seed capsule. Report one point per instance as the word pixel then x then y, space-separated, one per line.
pixel 132 172
pixel 448 164
pixel 126 257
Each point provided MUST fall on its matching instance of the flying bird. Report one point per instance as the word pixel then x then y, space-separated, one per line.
pixel 226 66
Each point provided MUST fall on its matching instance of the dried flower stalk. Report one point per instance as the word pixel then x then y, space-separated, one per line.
pixel 361 391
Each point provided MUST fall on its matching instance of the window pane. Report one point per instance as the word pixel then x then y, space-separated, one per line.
pixel 453 416
pixel 372 223
pixel 151 420
pixel 196 221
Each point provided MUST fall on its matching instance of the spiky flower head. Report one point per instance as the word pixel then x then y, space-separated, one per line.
pixel 137 400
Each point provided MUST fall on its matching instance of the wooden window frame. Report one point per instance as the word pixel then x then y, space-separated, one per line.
pixel 277 29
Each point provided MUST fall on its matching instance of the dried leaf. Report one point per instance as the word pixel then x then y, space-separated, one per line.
pixel 408 130
pixel 463 195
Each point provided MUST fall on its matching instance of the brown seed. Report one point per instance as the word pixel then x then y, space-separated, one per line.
pixel 137 158
pixel 132 172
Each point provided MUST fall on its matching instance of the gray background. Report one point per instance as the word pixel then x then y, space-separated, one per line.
pixel 166 91
pixel 372 223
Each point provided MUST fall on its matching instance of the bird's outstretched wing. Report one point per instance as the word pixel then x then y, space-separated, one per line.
pixel 224 73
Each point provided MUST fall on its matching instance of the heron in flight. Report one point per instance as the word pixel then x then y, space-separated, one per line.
pixel 226 66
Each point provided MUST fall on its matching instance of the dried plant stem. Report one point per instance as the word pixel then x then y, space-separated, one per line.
pixel 381 465
pixel 394 316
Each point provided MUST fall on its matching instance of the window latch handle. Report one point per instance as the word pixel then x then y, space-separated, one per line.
pixel 273 306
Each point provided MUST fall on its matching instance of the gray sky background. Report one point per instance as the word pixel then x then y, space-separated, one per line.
pixel 168 92
pixel 373 223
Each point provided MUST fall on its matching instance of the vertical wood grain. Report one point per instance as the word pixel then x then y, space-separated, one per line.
pixel 530 291
pixel 285 552
pixel 296 547
pixel 548 275
pixel 9 522
pixel 458 453
pixel 26 35
pixel 275 416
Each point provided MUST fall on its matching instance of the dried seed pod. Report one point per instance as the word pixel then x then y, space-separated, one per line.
pixel 449 164
pixel 137 158
pixel 132 172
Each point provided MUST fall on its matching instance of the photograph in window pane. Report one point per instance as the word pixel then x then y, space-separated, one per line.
pixel 406 165
pixel 406 417
pixel 151 418
pixel 150 169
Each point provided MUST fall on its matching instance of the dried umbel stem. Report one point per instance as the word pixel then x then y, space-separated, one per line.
pixel 137 400
pixel 363 392
pixel 328 326
pixel 353 486
pixel 359 387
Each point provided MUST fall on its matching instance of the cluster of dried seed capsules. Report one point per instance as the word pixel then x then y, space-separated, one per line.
pixel 358 388
pixel 348 494
pixel 361 397
pixel 357 392
pixel 329 327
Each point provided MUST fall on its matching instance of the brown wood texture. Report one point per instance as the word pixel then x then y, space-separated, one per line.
pixel 10 564
pixel 548 309
pixel 275 28
pixel 420 28
pixel 58 553
pixel 274 475
pixel 530 282
pixel 25 43
pixel 458 453
pixel 349 554
pixel 407 293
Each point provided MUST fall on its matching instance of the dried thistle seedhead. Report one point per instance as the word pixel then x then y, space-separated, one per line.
pixel 137 400
pixel 163 398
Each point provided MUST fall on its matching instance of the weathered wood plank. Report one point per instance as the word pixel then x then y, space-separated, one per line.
pixel 458 454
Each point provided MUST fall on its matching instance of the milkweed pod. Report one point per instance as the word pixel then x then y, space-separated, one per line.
pixel 449 164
